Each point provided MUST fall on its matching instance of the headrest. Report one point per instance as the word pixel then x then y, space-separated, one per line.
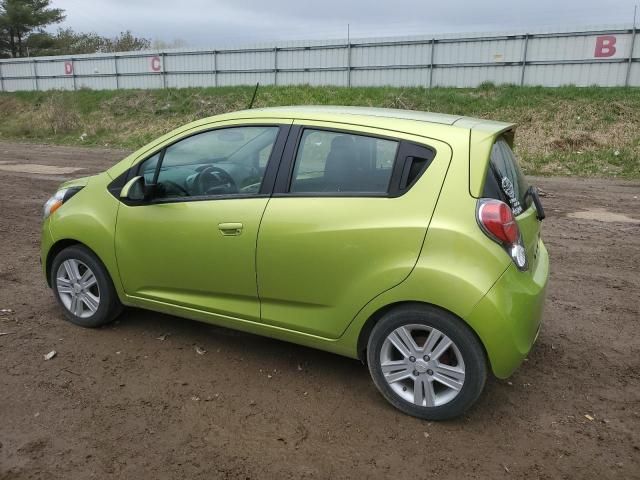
pixel 342 141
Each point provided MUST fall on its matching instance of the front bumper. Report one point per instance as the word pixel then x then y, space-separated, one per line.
pixel 508 317
pixel 46 242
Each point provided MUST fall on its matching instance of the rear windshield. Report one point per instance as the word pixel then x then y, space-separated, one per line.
pixel 505 180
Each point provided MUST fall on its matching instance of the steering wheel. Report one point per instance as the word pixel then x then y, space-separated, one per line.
pixel 211 179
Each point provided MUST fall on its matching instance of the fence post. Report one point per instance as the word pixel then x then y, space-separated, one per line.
pixel 35 74
pixel 433 47
pixel 215 68
pixel 633 44
pixel 1 80
pixel 73 73
pixel 524 58
pixel 349 63
pixel 115 69
pixel 275 65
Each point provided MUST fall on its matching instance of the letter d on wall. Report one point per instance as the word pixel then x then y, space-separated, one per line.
pixel 605 46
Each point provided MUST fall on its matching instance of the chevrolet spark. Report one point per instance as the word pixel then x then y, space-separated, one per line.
pixel 408 240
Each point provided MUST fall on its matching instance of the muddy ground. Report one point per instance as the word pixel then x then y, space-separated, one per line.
pixel 120 402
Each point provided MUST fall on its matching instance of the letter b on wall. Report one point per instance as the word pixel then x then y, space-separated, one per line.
pixel 605 46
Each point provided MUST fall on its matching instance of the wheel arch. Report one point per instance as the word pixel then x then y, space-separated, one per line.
pixel 55 249
pixel 59 246
pixel 374 318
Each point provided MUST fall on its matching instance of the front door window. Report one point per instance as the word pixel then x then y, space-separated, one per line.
pixel 227 161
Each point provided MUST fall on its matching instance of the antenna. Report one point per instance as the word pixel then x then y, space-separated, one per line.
pixel 254 96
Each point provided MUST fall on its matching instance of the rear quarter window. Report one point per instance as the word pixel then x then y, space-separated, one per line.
pixel 505 181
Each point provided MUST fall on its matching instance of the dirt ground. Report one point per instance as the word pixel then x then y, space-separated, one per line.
pixel 135 400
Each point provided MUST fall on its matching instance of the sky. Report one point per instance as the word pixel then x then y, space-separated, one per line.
pixel 203 23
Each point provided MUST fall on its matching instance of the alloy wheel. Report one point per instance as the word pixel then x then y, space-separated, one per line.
pixel 77 288
pixel 422 365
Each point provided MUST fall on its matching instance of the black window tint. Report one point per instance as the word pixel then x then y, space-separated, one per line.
pixel 505 180
pixel 335 162
pixel 225 161
pixel 416 159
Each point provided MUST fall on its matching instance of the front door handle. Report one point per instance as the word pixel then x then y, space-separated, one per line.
pixel 229 229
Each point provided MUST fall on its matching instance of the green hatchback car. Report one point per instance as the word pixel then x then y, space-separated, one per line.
pixel 408 240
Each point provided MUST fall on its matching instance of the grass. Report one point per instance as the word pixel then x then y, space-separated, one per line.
pixel 561 131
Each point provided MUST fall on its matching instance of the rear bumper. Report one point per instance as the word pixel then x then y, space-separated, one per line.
pixel 508 317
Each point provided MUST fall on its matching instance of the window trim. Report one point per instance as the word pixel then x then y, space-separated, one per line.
pixel 268 180
pixel 156 172
pixel 287 164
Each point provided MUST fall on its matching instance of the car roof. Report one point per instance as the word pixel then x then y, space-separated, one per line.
pixel 322 112
pixel 310 111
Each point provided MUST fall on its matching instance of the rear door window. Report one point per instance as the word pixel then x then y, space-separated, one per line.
pixel 505 181
pixel 331 162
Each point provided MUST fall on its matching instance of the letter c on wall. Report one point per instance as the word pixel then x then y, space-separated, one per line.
pixel 156 65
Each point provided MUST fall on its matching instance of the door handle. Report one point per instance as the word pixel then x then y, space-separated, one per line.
pixel 229 229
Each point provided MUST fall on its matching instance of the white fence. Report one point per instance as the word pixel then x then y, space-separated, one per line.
pixel 597 56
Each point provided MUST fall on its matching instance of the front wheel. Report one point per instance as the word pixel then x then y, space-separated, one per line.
pixel 426 362
pixel 83 288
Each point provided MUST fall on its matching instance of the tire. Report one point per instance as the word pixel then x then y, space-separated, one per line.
pixel 438 388
pixel 96 302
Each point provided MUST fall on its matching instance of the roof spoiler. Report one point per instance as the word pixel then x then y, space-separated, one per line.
pixel 482 136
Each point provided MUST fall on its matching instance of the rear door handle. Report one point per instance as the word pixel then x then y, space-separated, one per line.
pixel 229 229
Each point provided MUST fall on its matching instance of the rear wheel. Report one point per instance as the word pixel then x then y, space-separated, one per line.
pixel 426 362
pixel 83 288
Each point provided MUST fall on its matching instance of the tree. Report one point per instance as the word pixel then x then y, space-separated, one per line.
pixel 162 45
pixel 126 42
pixel 67 42
pixel 64 42
pixel 22 31
pixel 18 18
pixel 4 41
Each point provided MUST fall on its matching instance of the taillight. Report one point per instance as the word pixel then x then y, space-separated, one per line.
pixel 498 223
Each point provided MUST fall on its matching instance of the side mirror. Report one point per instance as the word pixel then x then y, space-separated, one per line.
pixel 136 190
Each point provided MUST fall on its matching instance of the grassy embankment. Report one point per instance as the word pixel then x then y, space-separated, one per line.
pixel 562 131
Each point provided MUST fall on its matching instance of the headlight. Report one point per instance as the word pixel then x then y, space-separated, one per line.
pixel 60 197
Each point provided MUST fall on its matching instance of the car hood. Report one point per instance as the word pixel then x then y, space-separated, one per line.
pixel 76 182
